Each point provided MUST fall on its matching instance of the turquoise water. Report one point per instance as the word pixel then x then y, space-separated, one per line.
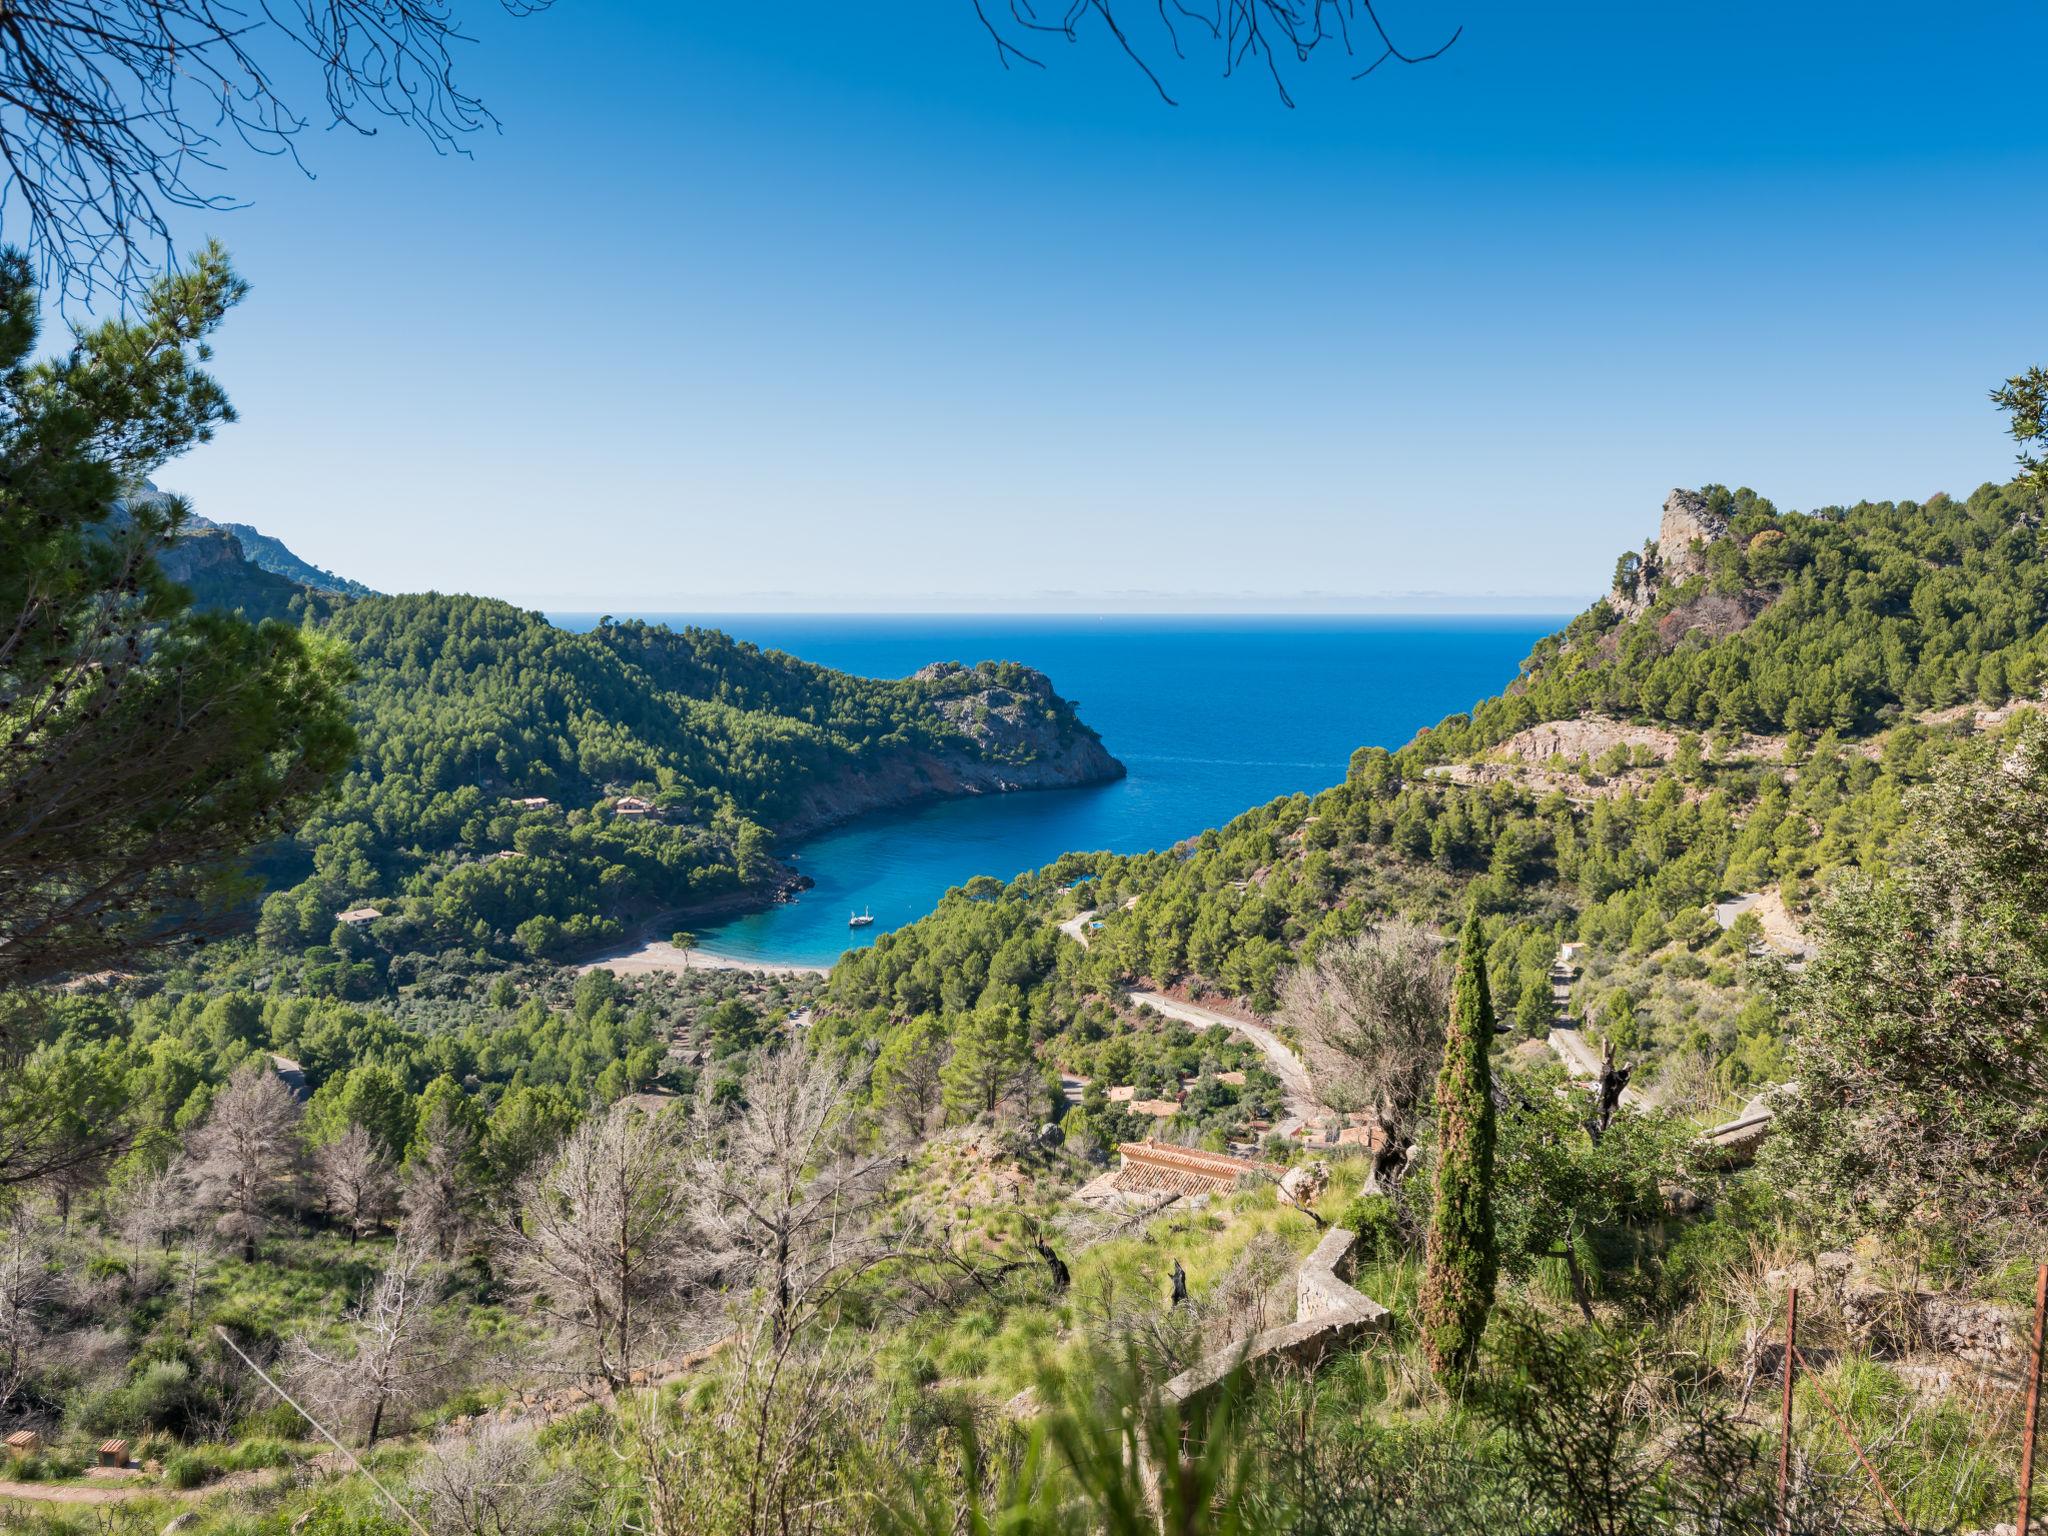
pixel 1211 716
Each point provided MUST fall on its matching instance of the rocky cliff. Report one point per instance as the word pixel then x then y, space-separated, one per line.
pixel 1013 733
pixel 211 564
pixel 1679 553
pixel 273 555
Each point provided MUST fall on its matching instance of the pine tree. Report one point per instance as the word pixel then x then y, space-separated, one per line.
pixel 1462 1261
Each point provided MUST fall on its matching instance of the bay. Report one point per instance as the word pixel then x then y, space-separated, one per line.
pixel 1211 716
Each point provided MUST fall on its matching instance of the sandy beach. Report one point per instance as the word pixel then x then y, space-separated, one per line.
pixel 660 955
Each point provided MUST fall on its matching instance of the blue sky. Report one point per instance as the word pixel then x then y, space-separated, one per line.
pixel 833 312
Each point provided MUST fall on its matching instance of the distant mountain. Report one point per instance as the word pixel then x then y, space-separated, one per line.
pixel 273 555
pixel 209 562
pixel 235 567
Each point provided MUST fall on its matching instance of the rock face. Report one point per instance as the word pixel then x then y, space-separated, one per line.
pixel 1013 732
pixel 1689 526
pixel 202 553
pixel 272 555
pixel 1894 1323
pixel 1688 521
pixel 210 564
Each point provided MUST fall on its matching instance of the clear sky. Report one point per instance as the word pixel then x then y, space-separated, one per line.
pixel 817 306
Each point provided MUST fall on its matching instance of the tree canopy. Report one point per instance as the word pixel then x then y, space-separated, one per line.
pixel 144 746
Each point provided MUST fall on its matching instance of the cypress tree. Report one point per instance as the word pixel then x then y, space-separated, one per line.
pixel 1462 1262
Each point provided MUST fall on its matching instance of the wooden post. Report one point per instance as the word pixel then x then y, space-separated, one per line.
pixel 1785 1415
pixel 2033 1401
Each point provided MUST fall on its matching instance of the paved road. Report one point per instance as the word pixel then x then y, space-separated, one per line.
pixel 1574 1049
pixel 1302 1103
pixel 1301 1100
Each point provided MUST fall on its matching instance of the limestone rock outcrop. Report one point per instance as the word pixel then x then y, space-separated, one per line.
pixel 1689 525
pixel 1687 530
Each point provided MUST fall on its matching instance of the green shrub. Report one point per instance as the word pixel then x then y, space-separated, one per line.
pixel 163 1394
pixel 1378 1225
pixel 195 1467
pixel 48 1466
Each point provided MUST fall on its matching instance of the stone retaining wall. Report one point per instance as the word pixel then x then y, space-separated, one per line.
pixel 1328 1314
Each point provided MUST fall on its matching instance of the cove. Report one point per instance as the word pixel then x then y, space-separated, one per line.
pixel 1211 716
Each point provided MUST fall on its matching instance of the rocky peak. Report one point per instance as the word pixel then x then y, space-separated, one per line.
pixel 1009 712
pixel 1689 525
pixel 1675 556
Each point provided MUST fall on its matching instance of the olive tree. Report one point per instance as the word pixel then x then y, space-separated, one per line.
pixel 1370 1013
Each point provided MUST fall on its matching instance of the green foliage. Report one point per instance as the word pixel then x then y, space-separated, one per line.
pixel 1589 1459
pixel 47 1466
pixel 1843 619
pixel 2024 398
pixel 148 745
pixel 1565 1194
pixel 1920 1035
pixel 1462 1261
pixel 1080 1469
pixel 1376 1219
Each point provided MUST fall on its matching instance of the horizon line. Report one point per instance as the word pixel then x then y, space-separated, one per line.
pixel 715 616
pixel 1104 605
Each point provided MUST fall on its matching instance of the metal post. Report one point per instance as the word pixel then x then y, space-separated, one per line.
pixel 1785 1415
pixel 2033 1401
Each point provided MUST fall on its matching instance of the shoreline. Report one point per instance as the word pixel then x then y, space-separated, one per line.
pixel 660 955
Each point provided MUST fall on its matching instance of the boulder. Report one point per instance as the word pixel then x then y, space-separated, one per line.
pixel 1303 1186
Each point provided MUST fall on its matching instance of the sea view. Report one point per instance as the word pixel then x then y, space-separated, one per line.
pixel 1211 717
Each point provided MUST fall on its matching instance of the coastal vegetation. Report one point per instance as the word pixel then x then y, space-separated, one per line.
pixel 1620 1110
pixel 706 1250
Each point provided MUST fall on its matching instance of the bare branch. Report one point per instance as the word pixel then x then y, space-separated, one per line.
pixel 113 113
pixel 1274 35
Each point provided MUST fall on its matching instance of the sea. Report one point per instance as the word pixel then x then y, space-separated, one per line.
pixel 1212 716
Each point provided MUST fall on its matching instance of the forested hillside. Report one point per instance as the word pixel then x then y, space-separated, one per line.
pixel 478 1211
pixel 526 790
pixel 1848 618
pixel 1743 715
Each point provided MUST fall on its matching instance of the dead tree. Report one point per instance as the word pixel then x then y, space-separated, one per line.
pixel 156 1209
pixel 118 112
pixel 788 1193
pixel 28 1288
pixel 394 1356
pixel 601 1233
pixel 490 1484
pixel 357 1180
pixel 245 1155
pixel 1370 1013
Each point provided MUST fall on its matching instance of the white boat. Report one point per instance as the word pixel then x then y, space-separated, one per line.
pixel 860 919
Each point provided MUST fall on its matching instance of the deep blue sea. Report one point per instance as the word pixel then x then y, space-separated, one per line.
pixel 1211 716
